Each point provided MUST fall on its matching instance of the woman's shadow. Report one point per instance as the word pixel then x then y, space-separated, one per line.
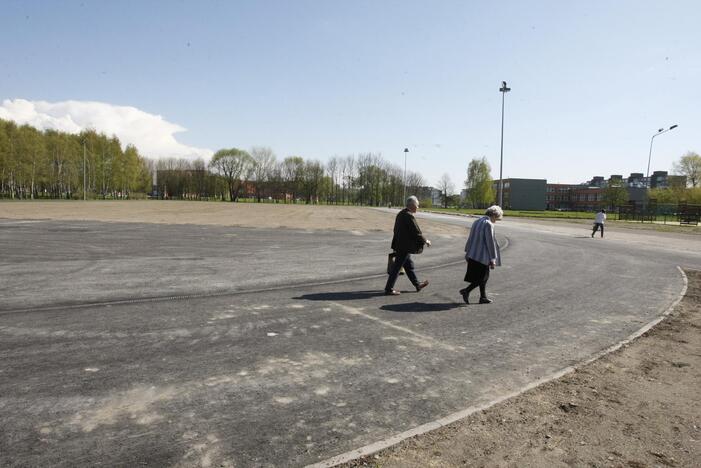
pixel 421 307
pixel 361 295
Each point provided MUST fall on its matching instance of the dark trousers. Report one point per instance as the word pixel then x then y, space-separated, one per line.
pixel 597 226
pixel 402 259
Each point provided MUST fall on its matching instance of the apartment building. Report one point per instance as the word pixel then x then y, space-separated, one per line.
pixel 538 194
pixel 523 194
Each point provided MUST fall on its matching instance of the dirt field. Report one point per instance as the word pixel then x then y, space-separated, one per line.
pixel 269 216
pixel 639 406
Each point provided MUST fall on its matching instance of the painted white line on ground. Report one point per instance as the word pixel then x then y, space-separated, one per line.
pixel 4 222
pixel 451 418
pixel 428 340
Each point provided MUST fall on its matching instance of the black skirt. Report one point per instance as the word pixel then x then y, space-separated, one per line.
pixel 476 272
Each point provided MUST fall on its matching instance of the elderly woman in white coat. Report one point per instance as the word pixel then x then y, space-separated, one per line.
pixel 482 254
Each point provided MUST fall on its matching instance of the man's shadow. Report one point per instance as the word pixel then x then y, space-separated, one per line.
pixel 421 307
pixel 341 296
pixel 359 295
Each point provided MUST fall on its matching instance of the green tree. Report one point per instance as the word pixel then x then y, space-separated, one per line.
pixel 689 165
pixel 235 166
pixel 479 183
pixel 615 195
pixel 133 171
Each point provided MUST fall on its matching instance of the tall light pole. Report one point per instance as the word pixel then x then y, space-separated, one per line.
pixel 649 157
pixel 503 90
pixel 84 195
pixel 406 150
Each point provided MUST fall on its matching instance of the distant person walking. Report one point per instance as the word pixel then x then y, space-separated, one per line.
pixel 482 254
pixel 407 240
pixel 599 222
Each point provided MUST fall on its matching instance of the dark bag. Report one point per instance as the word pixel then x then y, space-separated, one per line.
pixel 390 262
pixel 419 246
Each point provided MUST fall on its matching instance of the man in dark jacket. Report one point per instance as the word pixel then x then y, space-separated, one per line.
pixel 406 241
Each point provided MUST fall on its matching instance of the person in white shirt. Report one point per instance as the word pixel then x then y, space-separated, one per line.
pixel 599 222
pixel 482 254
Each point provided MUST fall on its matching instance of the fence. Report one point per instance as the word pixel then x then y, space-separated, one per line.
pixel 651 212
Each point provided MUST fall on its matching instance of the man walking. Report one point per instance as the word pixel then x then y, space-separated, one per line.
pixel 599 222
pixel 407 240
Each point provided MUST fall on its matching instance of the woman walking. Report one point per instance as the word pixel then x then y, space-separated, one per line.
pixel 482 254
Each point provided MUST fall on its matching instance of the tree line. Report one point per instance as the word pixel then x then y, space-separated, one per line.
pixel 234 174
pixel 53 164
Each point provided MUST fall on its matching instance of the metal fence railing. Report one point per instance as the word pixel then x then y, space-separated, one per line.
pixel 651 212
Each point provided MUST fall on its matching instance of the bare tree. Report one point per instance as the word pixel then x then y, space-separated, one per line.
pixel 445 185
pixel 415 184
pixel 263 163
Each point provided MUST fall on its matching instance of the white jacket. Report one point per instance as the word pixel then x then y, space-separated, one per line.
pixel 600 217
pixel 481 244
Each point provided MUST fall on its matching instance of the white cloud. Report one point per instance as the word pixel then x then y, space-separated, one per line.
pixel 152 135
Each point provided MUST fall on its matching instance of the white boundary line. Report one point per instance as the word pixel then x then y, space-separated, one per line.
pixel 451 418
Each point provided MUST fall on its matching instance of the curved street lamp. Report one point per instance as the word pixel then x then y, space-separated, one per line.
pixel 649 157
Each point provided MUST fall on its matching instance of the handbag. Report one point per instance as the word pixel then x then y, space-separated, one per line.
pixel 419 246
pixel 390 263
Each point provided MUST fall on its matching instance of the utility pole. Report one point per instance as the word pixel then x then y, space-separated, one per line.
pixel 406 150
pixel 84 174
pixel 503 90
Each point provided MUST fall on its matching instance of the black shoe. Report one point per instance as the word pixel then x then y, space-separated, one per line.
pixel 421 285
pixel 465 295
pixel 484 300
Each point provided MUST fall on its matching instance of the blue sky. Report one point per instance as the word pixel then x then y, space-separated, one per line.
pixel 591 81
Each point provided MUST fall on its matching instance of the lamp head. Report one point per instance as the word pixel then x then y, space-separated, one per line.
pixel 406 150
pixel 673 127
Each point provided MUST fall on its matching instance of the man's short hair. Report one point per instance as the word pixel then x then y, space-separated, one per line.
pixel 412 200
pixel 496 211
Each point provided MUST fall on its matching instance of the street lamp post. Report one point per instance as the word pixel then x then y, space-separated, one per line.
pixel 649 157
pixel 84 179
pixel 406 150
pixel 503 90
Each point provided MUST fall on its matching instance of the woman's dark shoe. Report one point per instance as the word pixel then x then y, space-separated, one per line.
pixel 484 300
pixel 421 285
pixel 465 295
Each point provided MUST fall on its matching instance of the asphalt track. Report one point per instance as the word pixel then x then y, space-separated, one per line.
pixel 136 344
